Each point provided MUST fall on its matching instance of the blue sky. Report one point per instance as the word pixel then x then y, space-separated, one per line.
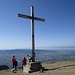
pixel 57 30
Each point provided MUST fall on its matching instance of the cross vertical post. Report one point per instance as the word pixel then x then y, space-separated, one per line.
pixel 32 30
pixel 32 18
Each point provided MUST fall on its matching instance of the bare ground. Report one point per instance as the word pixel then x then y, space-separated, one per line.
pixel 58 68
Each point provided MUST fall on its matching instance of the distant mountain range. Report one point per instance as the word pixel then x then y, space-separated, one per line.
pixel 59 48
pixel 41 55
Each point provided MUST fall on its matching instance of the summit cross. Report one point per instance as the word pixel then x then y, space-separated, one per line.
pixel 32 18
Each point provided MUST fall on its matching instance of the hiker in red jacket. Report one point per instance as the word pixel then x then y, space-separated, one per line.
pixel 23 62
pixel 13 61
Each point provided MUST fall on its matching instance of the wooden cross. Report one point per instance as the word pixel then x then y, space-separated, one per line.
pixel 32 18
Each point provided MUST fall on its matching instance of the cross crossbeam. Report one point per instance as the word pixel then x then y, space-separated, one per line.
pixel 30 17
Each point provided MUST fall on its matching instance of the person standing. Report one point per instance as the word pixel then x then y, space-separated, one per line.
pixel 15 64
pixel 29 59
pixel 23 62
pixel 13 61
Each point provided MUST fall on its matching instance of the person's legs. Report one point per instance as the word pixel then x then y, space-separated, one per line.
pixel 22 67
pixel 13 65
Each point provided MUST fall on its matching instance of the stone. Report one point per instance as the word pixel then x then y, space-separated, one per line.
pixel 3 67
pixel 32 67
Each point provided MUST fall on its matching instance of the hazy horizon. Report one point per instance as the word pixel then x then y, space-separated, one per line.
pixel 46 48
